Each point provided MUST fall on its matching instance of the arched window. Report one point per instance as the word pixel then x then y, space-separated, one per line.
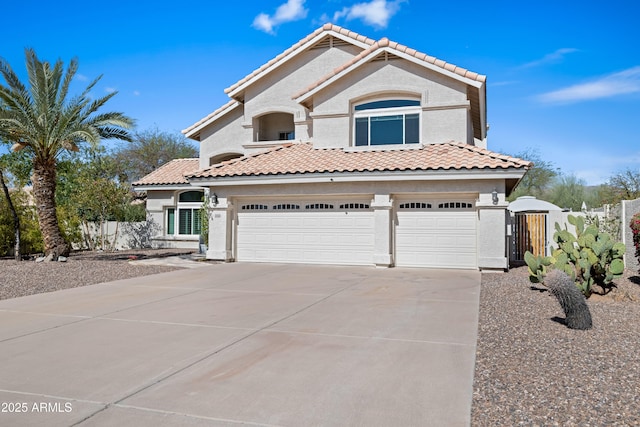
pixel 387 121
pixel 188 220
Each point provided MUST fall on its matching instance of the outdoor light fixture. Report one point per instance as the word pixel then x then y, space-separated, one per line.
pixel 494 196
pixel 214 199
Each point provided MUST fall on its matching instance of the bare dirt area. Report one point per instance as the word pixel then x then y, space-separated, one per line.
pixel 81 268
pixel 532 370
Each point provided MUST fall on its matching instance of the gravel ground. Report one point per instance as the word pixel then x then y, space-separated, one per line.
pixel 531 370
pixel 83 268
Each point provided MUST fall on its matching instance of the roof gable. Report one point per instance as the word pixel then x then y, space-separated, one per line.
pixel 385 46
pixel 382 49
pixel 320 36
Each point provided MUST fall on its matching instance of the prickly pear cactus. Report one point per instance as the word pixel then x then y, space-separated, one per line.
pixel 590 257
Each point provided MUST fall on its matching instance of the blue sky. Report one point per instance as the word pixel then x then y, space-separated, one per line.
pixel 563 76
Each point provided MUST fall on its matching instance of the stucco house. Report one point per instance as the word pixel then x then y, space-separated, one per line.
pixel 344 150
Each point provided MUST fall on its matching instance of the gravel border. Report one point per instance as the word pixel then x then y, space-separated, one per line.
pixel 532 370
pixel 81 269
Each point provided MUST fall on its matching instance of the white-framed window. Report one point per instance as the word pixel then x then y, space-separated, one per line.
pixel 186 217
pixel 387 122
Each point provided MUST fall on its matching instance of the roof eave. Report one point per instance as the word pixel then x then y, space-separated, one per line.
pixel 510 173
pixel 193 131
pixel 167 187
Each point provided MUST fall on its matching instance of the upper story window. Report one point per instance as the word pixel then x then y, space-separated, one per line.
pixel 385 122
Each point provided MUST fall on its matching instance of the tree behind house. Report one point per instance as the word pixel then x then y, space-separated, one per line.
pixel 148 151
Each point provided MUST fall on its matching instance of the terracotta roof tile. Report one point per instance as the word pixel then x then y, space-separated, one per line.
pixel 302 158
pixel 171 173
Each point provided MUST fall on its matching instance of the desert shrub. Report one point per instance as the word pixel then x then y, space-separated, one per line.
pixel 591 257
pixel 30 236
pixel 635 230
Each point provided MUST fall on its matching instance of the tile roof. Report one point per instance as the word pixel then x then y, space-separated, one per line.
pixel 171 173
pixel 302 158
pixel 385 42
pixel 326 27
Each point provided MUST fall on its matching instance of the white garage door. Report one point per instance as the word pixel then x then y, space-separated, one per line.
pixel 436 235
pixel 311 232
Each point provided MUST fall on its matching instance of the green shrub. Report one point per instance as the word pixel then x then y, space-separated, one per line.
pixel 590 257
pixel 30 236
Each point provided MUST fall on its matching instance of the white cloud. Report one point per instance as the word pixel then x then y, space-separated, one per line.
pixel 110 89
pixel 622 83
pixel 136 93
pixel 292 10
pixel 551 58
pixel 81 77
pixel 375 13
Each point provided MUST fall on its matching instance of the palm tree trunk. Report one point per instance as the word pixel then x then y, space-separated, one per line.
pixel 16 218
pixel 44 191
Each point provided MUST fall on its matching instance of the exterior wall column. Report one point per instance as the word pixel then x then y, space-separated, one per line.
pixel 492 229
pixel 220 230
pixel 382 252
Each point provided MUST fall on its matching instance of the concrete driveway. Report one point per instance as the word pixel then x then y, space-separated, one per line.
pixel 255 344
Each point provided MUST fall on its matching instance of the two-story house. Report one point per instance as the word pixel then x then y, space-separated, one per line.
pixel 344 150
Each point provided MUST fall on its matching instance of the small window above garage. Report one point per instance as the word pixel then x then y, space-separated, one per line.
pixel 354 206
pixel 254 207
pixel 286 207
pixel 455 205
pixel 415 205
pixel 318 206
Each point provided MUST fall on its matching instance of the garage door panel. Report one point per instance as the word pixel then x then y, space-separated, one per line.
pixel 436 238
pixel 327 237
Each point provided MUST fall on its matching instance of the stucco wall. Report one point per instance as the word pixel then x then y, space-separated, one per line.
pixel 491 218
pixel 443 100
pixel 226 135
pixel 235 132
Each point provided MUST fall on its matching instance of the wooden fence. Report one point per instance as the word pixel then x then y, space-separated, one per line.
pixel 530 232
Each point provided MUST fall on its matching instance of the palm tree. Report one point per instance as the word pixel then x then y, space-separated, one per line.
pixel 44 120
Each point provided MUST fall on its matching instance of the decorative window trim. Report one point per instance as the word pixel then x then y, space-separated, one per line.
pixel 415 205
pixel 319 206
